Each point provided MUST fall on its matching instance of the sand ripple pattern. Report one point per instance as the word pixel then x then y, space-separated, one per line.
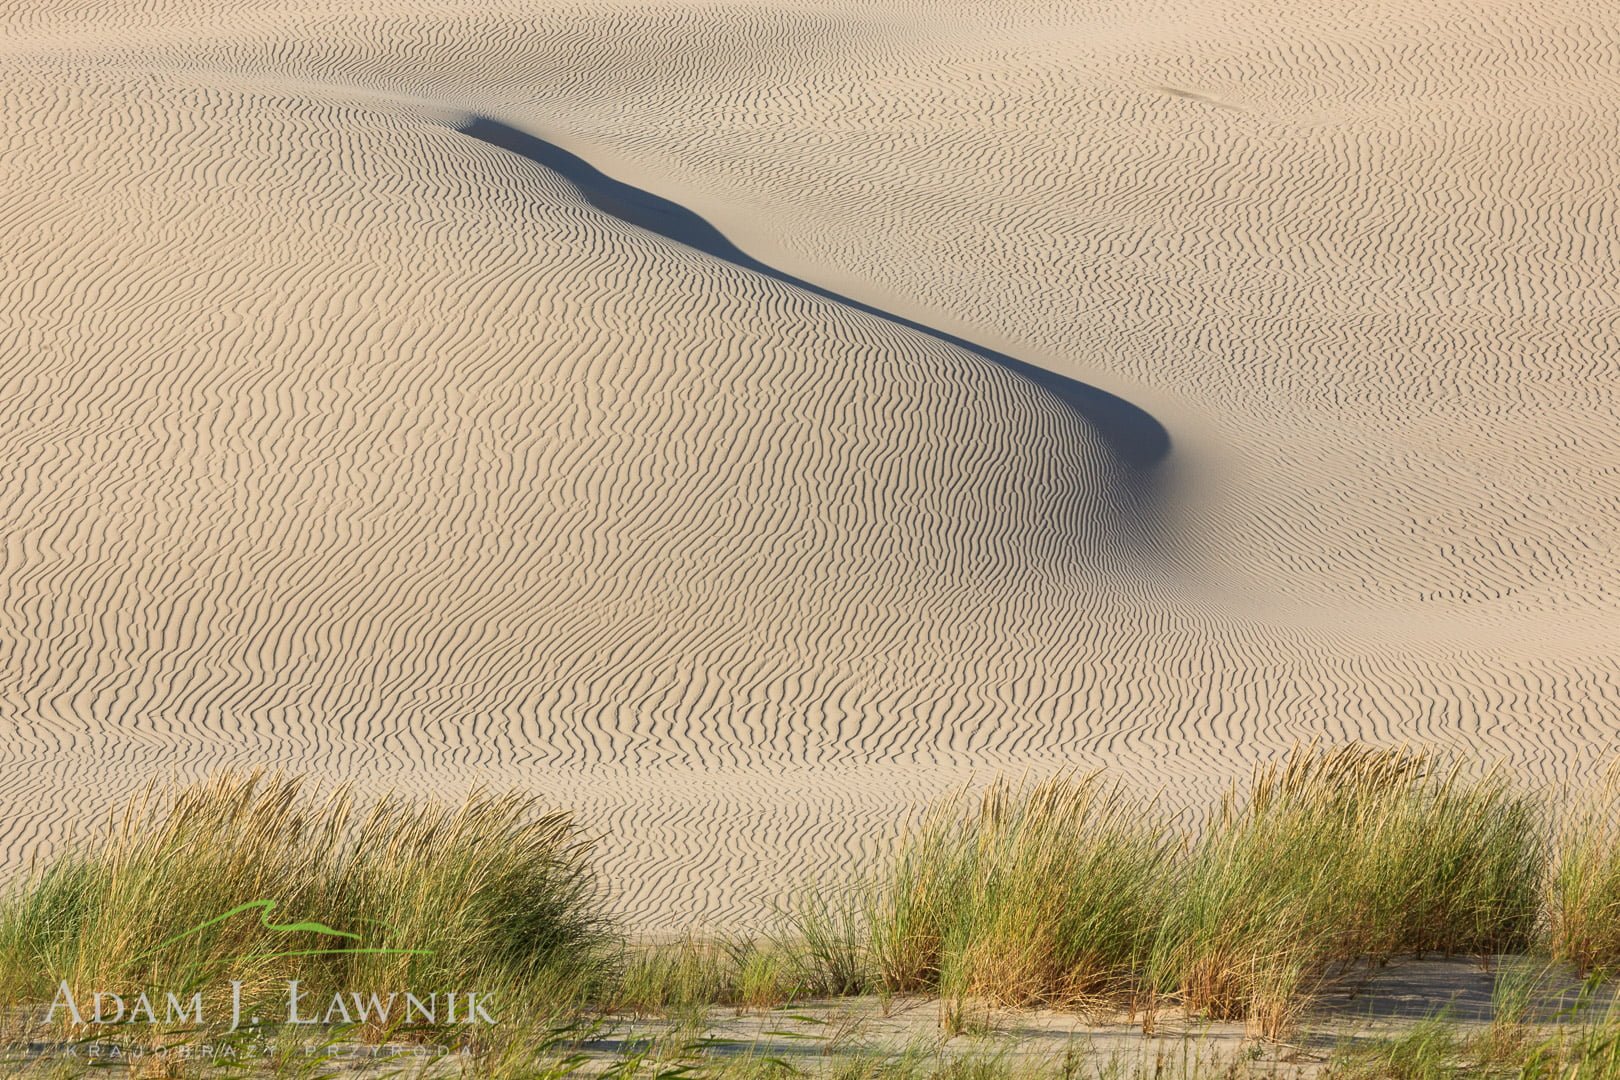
pixel 337 433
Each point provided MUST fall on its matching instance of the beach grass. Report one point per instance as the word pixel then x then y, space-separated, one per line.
pixel 1343 855
pixel 1072 893
pixel 692 974
pixel 494 894
pixel 1584 894
pixel 1069 893
pixel 1039 895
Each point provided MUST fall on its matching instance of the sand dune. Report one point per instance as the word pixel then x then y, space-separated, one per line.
pixel 746 422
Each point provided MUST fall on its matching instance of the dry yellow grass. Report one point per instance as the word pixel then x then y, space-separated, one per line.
pixel 1071 893
pixel 493 895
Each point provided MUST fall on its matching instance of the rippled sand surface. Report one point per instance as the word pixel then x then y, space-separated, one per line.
pixel 747 420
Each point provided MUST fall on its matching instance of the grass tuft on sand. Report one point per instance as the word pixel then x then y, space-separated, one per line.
pixel 1071 893
pixel 1335 856
pixel 1584 894
pixel 491 895
pixel 1041 895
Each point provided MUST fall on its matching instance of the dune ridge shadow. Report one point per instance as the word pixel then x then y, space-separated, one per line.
pixel 1134 435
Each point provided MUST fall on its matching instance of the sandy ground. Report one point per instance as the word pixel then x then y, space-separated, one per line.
pixel 1366 1010
pixel 745 421
pixel 1362 1013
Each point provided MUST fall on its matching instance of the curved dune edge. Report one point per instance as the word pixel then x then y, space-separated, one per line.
pixel 360 439
pixel 1134 435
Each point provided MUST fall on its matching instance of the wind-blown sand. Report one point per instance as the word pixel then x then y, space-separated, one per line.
pixel 747 421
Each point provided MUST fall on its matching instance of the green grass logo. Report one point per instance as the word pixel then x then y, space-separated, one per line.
pixel 265 907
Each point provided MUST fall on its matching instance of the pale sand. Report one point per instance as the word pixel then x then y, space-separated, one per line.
pixel 1360 1010
pixel 348 424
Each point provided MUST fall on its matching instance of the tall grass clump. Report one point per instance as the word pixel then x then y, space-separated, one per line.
pixel 1584 892
pixel 832 933
pixel 493 895
pixel 918 898
pixel 1338 855
pixel 1044 894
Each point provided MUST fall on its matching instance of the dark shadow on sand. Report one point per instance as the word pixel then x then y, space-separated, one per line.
pixel 1138 439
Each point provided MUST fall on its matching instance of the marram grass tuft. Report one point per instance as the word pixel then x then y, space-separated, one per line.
pixel 493 895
